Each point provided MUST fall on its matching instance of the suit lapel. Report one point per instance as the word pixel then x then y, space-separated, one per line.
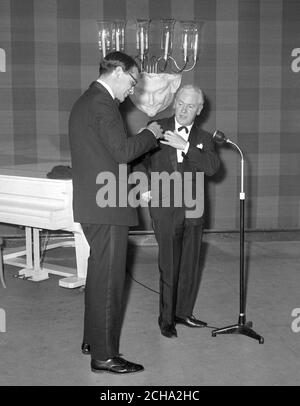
pixel 193 135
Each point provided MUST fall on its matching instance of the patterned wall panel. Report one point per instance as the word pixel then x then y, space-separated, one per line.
pixel 245 69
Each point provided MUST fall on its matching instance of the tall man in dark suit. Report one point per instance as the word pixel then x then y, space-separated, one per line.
pixel 186 150
pixel 99 144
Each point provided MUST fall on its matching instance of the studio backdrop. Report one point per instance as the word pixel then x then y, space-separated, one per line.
pixel 248 68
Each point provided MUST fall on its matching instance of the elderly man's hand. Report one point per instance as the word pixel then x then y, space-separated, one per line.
pixel 173 139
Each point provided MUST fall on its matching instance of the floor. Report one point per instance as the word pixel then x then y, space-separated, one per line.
pixel 41 345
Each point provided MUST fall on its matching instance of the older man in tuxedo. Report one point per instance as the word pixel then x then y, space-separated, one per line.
pixel 99 144
pixel 186 149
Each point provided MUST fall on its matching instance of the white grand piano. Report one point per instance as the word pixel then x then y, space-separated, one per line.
pixel 28 198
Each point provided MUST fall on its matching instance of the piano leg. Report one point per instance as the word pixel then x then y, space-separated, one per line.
pixel 31 267
pixel 82 250
pixel 1 270
pixel 33 271
pixel 28 239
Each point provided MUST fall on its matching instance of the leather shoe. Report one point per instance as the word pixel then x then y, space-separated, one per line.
pixel 190 321
pixel 85 349
pixel 168 330
pixel 115 365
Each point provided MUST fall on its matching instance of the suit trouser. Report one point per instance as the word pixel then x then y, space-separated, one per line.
pixel 104 288
pixel 179 264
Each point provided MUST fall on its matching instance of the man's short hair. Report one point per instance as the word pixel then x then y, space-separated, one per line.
pixel 194 88
pixel 115 59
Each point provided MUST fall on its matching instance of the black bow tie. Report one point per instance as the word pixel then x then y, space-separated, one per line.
pixel 183 127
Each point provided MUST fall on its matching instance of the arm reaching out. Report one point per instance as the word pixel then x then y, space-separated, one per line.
pixel 155 129
pixel 173 139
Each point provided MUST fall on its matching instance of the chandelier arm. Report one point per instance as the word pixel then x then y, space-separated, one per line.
pixel 175 63
pixel 194 64
pixel 153 64
pixel 145 62
pixel 179 70
pixel 158 64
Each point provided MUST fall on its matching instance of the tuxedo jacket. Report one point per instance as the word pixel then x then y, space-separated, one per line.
pixel 99 143
pixel 201 157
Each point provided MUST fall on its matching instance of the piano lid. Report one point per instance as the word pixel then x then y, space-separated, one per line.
pixel 37 170
pixel 29 198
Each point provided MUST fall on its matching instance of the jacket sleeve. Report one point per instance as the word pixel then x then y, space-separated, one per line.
pixel 142 165
pixel 204 159
pixel 109 126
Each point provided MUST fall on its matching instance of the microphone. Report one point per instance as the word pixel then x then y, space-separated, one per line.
pixel 220 137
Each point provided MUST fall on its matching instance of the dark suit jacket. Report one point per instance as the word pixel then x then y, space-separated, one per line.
pixel 164 158
pixel 99 143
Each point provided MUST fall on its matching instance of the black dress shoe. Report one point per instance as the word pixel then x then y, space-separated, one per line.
pixel 168 330
pixel 85 349
pixel 115 365
pixel 190 321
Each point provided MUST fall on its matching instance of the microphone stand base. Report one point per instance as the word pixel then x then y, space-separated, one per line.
pixel 244 329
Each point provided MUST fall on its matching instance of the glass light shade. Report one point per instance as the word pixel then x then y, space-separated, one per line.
pixel 188 38
pixel 167 32
pixel 111 37
pixel 142 37
pixel 104 36
pixel 118 35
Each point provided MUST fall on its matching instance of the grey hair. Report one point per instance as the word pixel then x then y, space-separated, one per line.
pixel 194 88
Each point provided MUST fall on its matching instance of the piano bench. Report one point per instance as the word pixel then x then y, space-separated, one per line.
pixel 1 264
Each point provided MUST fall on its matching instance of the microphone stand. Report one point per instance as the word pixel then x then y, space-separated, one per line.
pixel 242 327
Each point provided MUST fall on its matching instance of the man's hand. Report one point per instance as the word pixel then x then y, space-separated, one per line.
pixel 173 139
pixel 156 130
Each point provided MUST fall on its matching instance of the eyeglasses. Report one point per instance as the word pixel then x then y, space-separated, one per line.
pixel 133 78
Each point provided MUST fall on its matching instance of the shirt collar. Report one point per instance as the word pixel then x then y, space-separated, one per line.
pixel 177 125
pixel 107 87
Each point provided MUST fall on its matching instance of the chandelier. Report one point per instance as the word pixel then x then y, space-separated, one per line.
pixel 154 47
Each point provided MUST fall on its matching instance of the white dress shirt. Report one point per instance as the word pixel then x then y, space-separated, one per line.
pixel 107 87
pixel 185 136
pixel 147 195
